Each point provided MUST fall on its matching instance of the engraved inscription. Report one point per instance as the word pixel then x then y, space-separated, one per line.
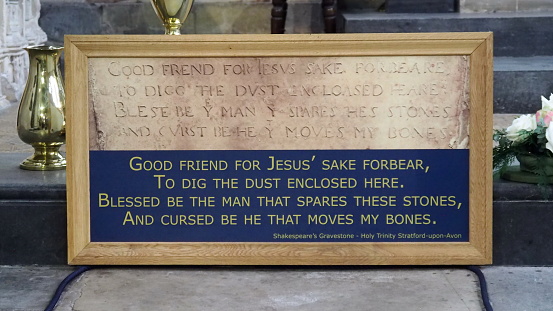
pixel 397 102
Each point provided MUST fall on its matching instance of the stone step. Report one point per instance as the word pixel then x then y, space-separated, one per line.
pixel 503 120
pixel 519 83
pixel 32 214
pixel 515 34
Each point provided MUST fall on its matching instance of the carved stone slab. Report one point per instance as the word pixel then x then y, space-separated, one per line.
pixel 279 103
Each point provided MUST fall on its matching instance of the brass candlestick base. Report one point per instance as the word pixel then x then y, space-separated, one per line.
pixel 45 158
pixel 41 115
pixel 172 26
pixel 172 13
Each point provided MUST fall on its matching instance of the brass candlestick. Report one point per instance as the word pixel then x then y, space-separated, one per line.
pixel 41 115
pixel 172 13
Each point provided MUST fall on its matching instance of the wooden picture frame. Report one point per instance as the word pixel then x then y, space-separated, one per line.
pixel 80 50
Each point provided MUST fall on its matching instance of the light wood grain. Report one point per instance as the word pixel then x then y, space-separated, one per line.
pixel 481 124
pixel 78 224
pixel 280 253
pixel 260 45
pixel 478 46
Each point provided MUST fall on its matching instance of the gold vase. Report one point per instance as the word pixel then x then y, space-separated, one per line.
pixel 41 115
pixel 172 13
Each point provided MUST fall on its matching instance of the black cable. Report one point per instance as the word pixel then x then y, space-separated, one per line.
pixel 64 284
pixel 483 287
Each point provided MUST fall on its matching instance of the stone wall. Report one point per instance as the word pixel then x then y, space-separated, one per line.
pixel 18 29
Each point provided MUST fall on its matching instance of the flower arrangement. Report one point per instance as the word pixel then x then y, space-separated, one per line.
pixel 529 136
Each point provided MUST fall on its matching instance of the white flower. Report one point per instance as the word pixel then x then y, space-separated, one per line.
pixel 549 136
pixel 525 122
pixel 547 104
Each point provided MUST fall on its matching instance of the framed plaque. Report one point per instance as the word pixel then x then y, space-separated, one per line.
pixel 349 149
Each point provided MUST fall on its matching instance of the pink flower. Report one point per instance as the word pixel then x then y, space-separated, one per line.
pixel 544 116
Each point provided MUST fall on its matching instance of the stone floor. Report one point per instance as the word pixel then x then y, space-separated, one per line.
pixel 234 288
